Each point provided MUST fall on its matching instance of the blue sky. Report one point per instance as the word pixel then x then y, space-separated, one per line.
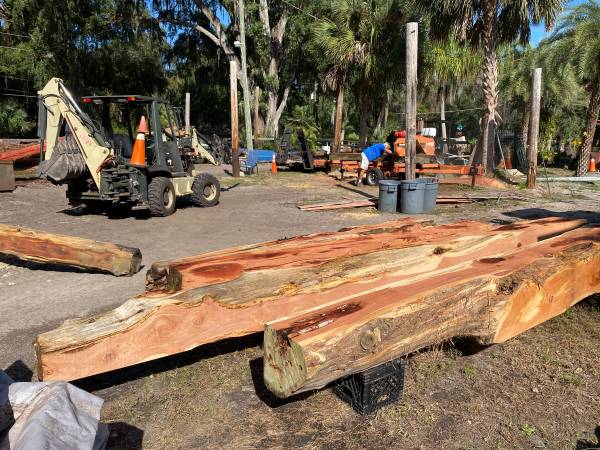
pixel 538 32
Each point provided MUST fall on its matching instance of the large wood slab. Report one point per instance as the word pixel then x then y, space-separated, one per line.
pixel 491 298
pixel 225 265
pixel 47 248
pixel 234 293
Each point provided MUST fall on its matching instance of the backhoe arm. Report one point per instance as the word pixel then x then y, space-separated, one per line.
pixel 65 159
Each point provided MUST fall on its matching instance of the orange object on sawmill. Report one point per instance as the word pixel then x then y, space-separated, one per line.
pixel 425 145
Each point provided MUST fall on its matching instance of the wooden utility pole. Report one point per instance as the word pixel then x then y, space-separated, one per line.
pixel 187 113
pixel 534 129
pixel 339 111
pixel 412 29
pixel 256 112
pixel 245 87
pixel 235 143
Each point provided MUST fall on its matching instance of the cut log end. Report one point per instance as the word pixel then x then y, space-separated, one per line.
pixel 163 277
pixel 284 365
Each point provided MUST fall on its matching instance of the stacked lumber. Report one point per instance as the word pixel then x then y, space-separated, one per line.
pixel 45 248
pixel 440 200
pixel 236 292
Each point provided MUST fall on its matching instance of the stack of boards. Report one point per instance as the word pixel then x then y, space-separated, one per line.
pixel 332 304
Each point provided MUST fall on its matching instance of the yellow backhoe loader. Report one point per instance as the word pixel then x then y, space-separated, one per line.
pixel 91 152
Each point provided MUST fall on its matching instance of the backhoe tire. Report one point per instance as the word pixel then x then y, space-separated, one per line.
pixel 161 197
pixel 373 176
pixel 205 190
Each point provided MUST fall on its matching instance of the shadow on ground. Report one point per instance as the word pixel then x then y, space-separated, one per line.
pixel 123 436
pixel 541 213
pixel 19 371
pixel 589 445
pixel 49 267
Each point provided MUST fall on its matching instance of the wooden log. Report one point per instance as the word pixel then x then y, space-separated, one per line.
pixel 21 153
pixel 490 298
pixel 224 265
pixel 45 248
pixel 234 293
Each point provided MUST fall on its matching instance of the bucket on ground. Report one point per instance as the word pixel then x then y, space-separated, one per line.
pixel 430 195
pixel 388 196
pixel 412 194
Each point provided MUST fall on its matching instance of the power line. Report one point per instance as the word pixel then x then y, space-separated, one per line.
pixel 437 112
pixel 13 34
pixel 17 95
pixel 301 10
pixel 13 78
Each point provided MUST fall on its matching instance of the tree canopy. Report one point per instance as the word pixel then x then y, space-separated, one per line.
pixel 310 62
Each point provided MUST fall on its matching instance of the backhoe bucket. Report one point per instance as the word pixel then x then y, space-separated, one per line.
pixel 66 163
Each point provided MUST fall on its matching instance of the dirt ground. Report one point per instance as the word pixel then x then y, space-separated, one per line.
pixel 539 390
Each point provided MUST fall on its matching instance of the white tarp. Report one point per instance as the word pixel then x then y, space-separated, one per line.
pixel 49 416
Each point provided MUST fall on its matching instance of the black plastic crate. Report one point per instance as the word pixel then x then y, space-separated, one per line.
pixel 374 388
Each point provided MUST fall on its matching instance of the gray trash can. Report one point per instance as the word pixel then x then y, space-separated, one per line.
pixel 388 196
pixel 412 194
pixel 431 189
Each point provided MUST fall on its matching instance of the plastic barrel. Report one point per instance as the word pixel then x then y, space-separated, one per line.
pixel 412 194
pixel 429 199
pixel 388 196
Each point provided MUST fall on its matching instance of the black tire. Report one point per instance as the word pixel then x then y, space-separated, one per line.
pixel 373 176
pixel 95 206
pixel 161 197
pixel 206 190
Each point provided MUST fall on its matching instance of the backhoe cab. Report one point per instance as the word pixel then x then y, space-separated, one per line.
pixel 90 150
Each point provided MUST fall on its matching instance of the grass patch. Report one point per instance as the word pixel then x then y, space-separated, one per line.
pixel 469 371
pixel 570 378
pixel 528 430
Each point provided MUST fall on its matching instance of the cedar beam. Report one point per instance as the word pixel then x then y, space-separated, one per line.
pixel 46 248
pixel 490 298
pixel 235 292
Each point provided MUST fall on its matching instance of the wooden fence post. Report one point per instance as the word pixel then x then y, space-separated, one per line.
pixel 412 29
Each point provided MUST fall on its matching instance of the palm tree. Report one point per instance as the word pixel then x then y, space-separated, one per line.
pixel 449 65
pixel 577 39
pixel 560 90
pixel 360 38
pixel 487 23
pixel 341 48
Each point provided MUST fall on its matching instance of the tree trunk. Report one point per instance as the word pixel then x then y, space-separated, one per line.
pixel 490 298
pixel 592 120
pixel 337 142
pixel 443 118
pixel 276 99
pixel 489 78
pixel 363 135
pixel 522 151
pixel 386 111
pixel 382 117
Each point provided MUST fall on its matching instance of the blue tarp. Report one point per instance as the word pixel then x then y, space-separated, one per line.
pixel 256 156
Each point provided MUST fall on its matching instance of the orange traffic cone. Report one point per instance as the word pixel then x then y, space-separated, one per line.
pixel 592 167
pixel 138 155
pixel 273 165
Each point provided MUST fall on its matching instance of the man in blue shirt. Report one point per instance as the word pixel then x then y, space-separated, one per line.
pixel 370 154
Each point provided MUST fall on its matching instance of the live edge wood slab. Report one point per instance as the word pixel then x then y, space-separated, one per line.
pixel 235 292
pixel 46 248
pixel 490 298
